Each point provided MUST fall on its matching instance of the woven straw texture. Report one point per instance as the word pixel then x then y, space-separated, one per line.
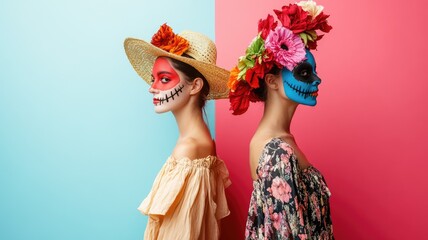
pixel 142 56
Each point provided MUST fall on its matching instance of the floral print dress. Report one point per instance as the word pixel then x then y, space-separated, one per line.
pixel 287 202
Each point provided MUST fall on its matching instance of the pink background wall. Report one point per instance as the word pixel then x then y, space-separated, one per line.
pixel 368 133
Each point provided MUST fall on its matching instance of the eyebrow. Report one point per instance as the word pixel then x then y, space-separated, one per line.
pixel 163 72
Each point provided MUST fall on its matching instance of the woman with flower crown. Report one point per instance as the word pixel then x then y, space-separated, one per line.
pixel 290 197
pixel 187 198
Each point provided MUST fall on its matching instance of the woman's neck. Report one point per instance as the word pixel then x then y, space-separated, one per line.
pixel 189 119
pixel 277 116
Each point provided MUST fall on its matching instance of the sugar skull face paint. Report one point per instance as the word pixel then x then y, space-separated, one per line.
pixel 169 89
pixel 301 84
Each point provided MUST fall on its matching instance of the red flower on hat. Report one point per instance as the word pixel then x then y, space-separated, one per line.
pixel 167 40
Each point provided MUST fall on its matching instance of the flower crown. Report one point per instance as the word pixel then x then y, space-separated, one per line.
pixel 281 46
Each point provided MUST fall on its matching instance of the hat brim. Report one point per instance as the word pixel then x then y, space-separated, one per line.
pixel 142 56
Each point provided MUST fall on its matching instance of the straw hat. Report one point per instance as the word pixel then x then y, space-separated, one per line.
pixel 202 51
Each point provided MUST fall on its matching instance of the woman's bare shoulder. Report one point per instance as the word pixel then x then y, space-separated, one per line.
pixel 258 141
pixel 193 148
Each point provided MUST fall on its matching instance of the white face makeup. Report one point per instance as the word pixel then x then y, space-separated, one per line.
pixel 170 90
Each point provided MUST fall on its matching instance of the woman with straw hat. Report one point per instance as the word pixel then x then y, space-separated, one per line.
pixel 187 198
pixel 290 197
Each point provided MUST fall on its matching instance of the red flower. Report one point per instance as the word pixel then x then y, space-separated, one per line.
pixel 298 20
pixel 294 18
pixel 269 60
pixel 265 25
pixel 313 44
pixel 254 74
pixel 320 23
pixel 166 40
pixel 241 97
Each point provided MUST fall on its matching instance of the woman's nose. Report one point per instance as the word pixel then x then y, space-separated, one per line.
pixel 152 90
pixel 316 80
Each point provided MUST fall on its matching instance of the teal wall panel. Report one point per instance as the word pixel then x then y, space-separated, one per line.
pixel 79 142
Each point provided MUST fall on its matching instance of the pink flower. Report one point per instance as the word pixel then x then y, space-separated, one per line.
pixel 276 220
pixel 288 48
pixel 303 236
pixel 314 200
pixel 266 159
pixel 324 236
pixel 280 189
pixel 301 219
pixel 286 147
pixel 285 158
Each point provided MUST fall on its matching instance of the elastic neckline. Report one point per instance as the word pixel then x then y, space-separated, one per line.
pixel 195 159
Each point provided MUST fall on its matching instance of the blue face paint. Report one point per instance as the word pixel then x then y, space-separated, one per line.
pixel 301 84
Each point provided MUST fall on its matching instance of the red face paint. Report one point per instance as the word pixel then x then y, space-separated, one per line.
pixel 164 76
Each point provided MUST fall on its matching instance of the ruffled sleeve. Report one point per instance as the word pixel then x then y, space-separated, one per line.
pixel 222 181
pixel 166 190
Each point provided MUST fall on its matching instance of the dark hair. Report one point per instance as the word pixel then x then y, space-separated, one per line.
pixel 191 74
pixel 261 91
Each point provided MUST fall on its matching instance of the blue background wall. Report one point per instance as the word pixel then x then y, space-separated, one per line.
pixel 79 142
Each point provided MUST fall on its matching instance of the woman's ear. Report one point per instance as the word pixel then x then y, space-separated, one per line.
pixel 197 85
pixel 271 81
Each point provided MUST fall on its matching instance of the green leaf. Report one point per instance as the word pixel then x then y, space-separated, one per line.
pixel 313 35
pixel 304 37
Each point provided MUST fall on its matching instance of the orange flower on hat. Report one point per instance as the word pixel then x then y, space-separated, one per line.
pixel 167 40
